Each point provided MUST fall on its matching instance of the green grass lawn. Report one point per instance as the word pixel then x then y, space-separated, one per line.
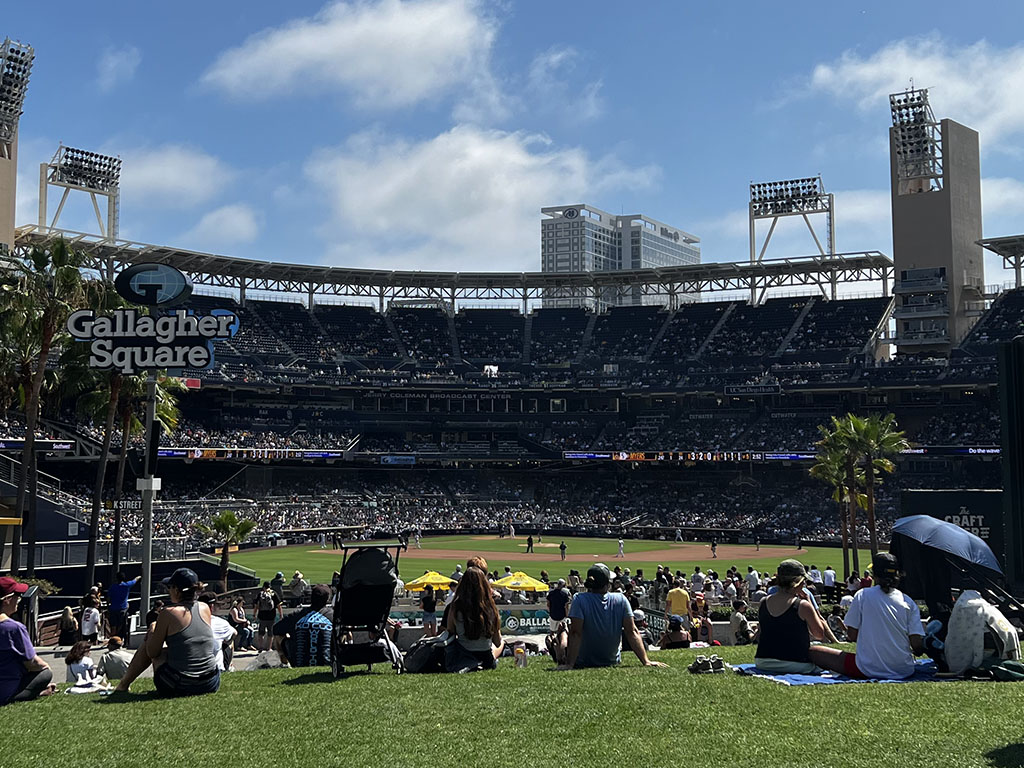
pixel 318 567
pixel 619 718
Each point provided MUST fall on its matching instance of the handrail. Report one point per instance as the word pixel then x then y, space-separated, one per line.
pixel 244 570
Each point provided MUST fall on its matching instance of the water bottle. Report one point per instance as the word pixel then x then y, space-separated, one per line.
pixel 520 655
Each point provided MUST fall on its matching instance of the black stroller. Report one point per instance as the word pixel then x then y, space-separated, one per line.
pixel 366 590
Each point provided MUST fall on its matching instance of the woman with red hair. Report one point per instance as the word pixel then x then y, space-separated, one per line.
pixel 474 620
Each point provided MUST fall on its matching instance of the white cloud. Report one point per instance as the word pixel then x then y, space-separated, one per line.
pixel 391 53
pixel 116 65
pixel 554 83
pixel 228 225
pixel 978 85
pixel 171 176
pixel 467 199
pixel 1002 197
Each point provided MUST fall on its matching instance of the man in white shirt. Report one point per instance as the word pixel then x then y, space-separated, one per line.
pixel 753 580
pixel 697 580
pixel 814 574
pixel 828 580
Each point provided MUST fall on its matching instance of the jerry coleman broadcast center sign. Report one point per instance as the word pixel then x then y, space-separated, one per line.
pixel 129 341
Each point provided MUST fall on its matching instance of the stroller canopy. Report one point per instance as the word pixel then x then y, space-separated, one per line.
pixel 369 567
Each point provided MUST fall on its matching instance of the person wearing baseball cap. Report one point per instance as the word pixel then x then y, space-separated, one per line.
pixel 187 666
pixel 598 621
pixel 886 626
pixel 788 622
pixel 23 675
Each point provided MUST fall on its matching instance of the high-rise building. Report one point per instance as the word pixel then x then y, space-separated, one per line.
pixel 581 238
pixel 936 223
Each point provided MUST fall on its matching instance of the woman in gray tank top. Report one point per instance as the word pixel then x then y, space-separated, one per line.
pixel 187 666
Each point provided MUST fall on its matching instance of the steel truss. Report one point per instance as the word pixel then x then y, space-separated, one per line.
pixel 821 271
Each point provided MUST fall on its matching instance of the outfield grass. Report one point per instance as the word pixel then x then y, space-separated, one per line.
pixel 318 567
pixel 618 718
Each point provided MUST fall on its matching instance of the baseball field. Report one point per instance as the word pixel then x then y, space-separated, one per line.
pixel 442 553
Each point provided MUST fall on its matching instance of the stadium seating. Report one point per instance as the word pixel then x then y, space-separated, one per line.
pixel 490 335
pixel 556 335
pixel 752 332
pixel 424 333
pixel 626 332
pixel 357 331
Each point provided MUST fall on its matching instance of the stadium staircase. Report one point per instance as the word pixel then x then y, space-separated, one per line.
pixel 456 351
pixel 47 489
pixel 527 334
pixel 965 345
pixel 395 335
pixel 588 334
pixel 659 335
pixel 795 327
pixel 86 447
pixel 718 326
pixel 880 331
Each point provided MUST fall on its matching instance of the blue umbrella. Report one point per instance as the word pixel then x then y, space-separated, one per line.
pixel 949 538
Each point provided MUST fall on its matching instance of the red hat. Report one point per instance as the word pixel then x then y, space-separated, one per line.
pixel 9 586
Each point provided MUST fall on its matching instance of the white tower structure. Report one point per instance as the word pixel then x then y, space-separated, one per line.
pixel 15 67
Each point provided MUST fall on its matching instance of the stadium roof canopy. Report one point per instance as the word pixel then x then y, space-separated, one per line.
pixel 1011 248
pixel 825 272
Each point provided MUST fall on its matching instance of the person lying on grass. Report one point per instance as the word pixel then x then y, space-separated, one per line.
pixel 598 619
pixel 886 626
pixel 188 666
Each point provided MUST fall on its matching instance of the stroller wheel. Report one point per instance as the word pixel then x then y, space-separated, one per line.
pixel 335 669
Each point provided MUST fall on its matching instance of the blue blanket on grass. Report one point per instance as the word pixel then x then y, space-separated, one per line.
pixel 924 671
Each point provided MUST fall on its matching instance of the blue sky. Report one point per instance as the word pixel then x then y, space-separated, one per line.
pixel 426 134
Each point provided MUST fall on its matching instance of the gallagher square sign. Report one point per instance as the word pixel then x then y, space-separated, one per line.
pixel 129 341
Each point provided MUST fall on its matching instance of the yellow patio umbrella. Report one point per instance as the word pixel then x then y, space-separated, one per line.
pixel 520 582
pixel 429 579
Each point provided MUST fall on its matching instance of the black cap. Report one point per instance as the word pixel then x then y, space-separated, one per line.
pixel 183 578
pixel 599 575
pixel 885 565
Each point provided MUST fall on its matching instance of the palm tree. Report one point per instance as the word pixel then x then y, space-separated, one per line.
pixel 43 288
pixel 876 440
pixel 831 469
pixel 839 439
pixel 228 528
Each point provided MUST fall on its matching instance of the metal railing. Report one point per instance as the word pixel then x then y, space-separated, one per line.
pixel 51 554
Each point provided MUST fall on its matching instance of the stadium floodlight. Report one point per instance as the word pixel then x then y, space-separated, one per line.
pixel 790 197
pixel 83 171
pixel 917 142
pixel 88 170
pixel 15 67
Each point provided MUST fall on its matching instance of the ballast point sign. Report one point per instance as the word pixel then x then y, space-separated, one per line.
pixel 129 341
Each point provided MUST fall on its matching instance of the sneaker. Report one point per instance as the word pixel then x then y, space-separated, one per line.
pixel 701 665
pixel 718 664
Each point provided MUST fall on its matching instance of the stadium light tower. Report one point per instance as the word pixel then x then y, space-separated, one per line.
pixel 917 142
pixel 89 172
pixel 15 66
pixel 793 197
